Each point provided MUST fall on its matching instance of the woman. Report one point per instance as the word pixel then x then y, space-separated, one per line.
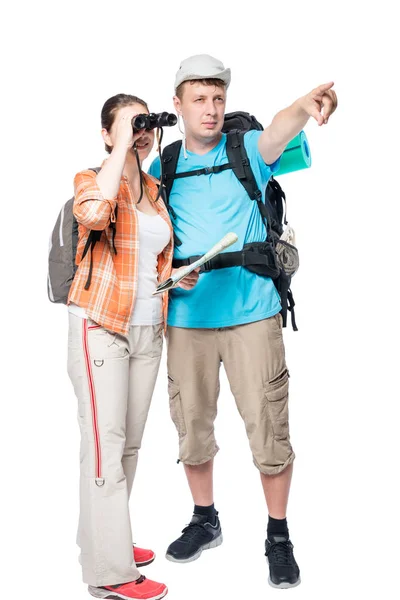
pixel 115 342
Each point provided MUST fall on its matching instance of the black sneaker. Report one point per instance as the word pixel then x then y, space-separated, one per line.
pixel 199 535
pixel 283 569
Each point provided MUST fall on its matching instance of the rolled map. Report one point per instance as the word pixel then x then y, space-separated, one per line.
pixel 225 242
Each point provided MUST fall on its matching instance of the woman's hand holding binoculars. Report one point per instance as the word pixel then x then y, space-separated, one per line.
pixel 132 126
pixel 124 134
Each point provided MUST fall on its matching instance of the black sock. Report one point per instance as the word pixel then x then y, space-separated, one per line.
pixel 277 527
pixel 206 511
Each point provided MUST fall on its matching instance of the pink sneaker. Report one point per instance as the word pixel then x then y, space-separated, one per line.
pixel 141 589
pixel 143 557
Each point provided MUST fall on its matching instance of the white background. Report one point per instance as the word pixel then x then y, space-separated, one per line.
pixel 60 62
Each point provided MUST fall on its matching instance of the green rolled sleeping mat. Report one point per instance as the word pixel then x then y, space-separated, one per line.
pixel 296 155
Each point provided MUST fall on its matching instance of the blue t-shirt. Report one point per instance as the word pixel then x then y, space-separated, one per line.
pixel 207 207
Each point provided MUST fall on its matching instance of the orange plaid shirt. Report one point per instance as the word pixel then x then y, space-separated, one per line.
pixel 111 296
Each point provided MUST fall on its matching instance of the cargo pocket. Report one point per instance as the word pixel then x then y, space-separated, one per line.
pixel 277 395
pixel 175 407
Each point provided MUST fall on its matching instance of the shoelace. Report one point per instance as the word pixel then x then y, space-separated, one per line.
pixel 193 529
pixel 282 552
pixel 140 580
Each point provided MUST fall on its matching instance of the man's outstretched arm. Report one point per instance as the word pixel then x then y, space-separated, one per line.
pixel 319 104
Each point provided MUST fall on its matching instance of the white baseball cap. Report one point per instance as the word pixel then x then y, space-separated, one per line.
pixel 202 66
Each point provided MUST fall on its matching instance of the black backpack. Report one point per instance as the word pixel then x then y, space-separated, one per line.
pixel 259 257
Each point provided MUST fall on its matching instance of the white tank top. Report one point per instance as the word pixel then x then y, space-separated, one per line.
pixel 154 235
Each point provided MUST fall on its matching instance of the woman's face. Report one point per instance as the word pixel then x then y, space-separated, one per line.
pixel 145 142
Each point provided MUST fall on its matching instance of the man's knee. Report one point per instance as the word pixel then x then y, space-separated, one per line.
pixel 194 423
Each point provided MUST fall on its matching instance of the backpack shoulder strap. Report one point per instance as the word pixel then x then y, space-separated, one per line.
pixel 169 162
pixel 239 160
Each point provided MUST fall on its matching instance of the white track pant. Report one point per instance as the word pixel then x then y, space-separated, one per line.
pixel 113 378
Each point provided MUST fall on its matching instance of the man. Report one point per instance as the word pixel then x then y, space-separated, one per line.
pixel 232 315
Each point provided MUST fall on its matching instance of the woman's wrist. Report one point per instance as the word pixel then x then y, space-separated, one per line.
pixel 120 151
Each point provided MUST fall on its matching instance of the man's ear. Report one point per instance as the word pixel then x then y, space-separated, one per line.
pixel 177 105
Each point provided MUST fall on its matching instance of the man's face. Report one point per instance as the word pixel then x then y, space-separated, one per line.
pixel 202 108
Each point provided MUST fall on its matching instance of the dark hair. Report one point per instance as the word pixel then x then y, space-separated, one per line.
pixel 211 81
pixel 111 106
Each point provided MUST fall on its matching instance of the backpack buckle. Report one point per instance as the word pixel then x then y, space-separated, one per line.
pixel 206 266
pixel 208 170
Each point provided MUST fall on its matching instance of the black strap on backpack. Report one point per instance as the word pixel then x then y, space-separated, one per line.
pixel 94 237
pixel 257 257
pixel 240 165
pixel 169 159
pixel 169 162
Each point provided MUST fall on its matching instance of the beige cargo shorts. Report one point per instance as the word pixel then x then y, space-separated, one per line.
pixel 254 359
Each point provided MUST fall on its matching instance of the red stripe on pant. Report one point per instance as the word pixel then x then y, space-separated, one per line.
pixel 93 405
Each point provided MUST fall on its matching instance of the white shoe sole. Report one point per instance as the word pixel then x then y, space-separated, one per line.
pixel 100 593
pixel 284 586
pixel 213 544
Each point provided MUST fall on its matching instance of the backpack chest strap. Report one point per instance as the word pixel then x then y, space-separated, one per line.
pixel 205 171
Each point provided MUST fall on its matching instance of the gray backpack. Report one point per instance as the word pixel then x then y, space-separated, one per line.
pixel 62 252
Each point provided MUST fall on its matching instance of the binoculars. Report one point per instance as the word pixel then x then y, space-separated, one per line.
pixel 153 120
